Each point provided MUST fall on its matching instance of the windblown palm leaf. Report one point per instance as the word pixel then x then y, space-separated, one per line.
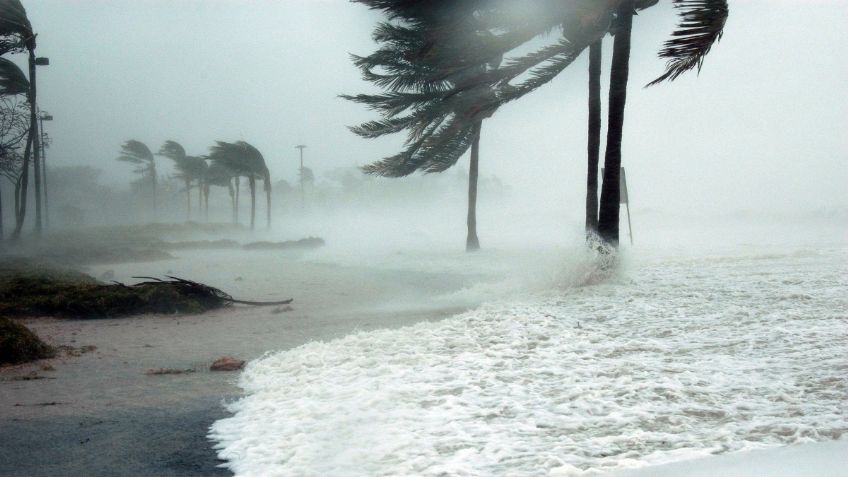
pixel 12 79
pixel 137 153
pixel 701 26
pixel 15 28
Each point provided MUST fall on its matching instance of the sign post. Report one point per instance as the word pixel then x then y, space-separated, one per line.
pixel 624 198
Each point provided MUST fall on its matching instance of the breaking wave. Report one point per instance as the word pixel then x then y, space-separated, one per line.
pixel 669 360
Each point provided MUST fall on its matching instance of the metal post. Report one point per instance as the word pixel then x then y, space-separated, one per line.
pixel 45 117
pixel 626 200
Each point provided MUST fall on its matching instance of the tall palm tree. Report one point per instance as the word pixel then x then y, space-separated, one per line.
pixel 245 161
pixel 594 142
pixel 608 217
pixel 137 153
pixel 582 22
pixel 440 127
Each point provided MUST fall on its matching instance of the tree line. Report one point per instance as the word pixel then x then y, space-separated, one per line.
pixel 224 166
pixel 445 67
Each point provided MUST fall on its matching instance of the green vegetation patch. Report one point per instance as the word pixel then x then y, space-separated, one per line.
pixel 20 345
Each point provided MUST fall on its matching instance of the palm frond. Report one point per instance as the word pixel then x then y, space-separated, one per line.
pixel 136 152
pixel 12 79
pixel 701 26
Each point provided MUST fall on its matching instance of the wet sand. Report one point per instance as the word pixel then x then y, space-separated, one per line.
pixel 99 414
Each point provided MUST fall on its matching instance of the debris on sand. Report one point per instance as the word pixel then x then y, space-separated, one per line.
pixel 20 345
pixel 34 291
pixel 167 371
pixel 227 363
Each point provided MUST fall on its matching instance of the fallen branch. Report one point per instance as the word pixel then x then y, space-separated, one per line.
pixel 200 290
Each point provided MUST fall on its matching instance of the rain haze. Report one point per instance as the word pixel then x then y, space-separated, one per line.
pixel 313 319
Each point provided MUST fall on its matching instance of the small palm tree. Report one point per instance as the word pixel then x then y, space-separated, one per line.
pixel 137 153
pixel 218 174
pixel 189 169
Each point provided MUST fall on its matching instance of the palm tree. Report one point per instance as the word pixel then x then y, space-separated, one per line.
pixel 189 169
pixel 244 160
pixel 582 22
pixel 138 154
pixel 440 127
pixel 608 216
pixel 15 35
pixel 594 142
pixel 218 174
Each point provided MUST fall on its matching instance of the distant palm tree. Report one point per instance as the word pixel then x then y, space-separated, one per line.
pixel 218 174
pixel 138 154
pixel 245 161
pixel 189 169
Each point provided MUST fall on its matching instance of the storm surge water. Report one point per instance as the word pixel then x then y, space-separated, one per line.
pixel 668 359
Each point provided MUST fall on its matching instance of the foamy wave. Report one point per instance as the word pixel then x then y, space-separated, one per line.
pixel 675 360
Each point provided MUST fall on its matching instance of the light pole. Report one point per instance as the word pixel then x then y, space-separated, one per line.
pixel 45 116
pixel 302 197
pixel 39 61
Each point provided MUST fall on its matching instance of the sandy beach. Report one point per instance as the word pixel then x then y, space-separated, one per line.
pixel 99 414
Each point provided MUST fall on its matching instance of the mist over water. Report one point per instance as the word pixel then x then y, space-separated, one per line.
pixel 719 325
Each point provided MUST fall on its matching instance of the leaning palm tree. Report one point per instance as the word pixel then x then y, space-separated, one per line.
pixel 138 154
pixel 582 22
pixel 440 127
pixel 219 174
pixel 244 160
pixel 16 34
pixel 189 169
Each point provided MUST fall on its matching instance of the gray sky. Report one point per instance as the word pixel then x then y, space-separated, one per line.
pixel 763 127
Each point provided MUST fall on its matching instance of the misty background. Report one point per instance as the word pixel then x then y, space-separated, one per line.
pixel 753 135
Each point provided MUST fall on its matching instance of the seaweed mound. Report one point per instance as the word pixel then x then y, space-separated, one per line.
pixel 19 345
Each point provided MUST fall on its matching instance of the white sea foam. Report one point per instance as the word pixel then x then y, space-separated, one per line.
pixel 672 359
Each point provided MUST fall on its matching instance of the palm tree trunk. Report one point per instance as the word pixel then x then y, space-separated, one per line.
pixel 236 206
pixel 472 243
pixel 232 199
pixel 206 201
pixel 252 183
pixel 188 199
pixel 1 214
pixel 611 189
pixel 153 184
pixel 21 191
pixel 268 198
pixel 594 144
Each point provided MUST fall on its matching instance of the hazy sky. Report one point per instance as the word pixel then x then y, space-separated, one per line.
pixel 764 126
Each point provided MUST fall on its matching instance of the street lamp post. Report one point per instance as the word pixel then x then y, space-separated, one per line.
pixel 45 116
pixel 39 61
pixel 302 196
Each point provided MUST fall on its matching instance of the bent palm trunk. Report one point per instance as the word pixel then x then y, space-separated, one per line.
pixel 594 144
pixel 268 198
pixel 188 199
pixel 472 243
pixel 21 191
pixel 252 183
pixel 610 191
